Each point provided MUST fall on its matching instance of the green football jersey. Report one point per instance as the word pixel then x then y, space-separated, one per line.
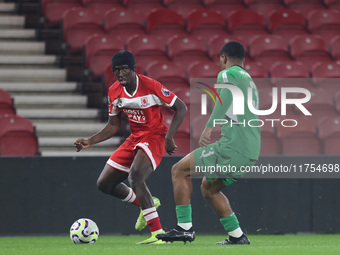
pixel 242 132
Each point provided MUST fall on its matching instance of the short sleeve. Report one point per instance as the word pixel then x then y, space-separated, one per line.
pixel 166 97
pixel 113 109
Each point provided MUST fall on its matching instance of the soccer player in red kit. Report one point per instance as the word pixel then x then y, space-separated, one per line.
pixel 139 98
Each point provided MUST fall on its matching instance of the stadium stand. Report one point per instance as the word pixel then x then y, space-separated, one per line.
pixel 300 140
pixel 246 23
pixel 287 23
pixel 164 23
pixel 268 49
pixel 203 70
pixel 77 25
pixel 135 22
pixel 335 47
pixel 17 137
pixel 329 133
pixel 187 49
pixel 170 74
pixel 99 50
pixel 324 23
pixel 183 8
pixel 224 8
pixel 326 76
pixel 305 7
pixel 264 7
pixel 309 49
pixel 124 23
pixel 6 104
pixel 216 43
pixel 269 142
pixel 147 49
pixel 206 24
pixel 101 6
pixel 52 10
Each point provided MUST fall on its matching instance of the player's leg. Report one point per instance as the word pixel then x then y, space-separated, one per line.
pixel 140 169
pixel 182 185
pixel 110 182
pixel 211 191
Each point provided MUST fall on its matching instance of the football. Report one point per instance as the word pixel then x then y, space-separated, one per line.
pixel 84 231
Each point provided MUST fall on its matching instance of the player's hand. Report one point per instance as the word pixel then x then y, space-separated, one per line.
pixel 205 137
pixel 170 145
pixel 82 143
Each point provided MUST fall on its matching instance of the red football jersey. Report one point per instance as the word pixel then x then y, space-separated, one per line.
pixel 142 108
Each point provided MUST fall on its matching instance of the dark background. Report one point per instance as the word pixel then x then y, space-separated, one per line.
pixel 45 195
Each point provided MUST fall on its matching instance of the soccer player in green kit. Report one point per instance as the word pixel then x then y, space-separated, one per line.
pixel 239 146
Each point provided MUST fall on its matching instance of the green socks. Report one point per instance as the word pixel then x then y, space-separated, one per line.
pixel 184 218
pixel 230 223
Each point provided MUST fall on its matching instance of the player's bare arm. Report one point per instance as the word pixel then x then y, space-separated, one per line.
pixel 180 111
pixel 110 129
pixel 205 137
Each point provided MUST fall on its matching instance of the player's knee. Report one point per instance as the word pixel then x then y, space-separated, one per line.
pixel 102 186
pixel 136 179
pixel 176 171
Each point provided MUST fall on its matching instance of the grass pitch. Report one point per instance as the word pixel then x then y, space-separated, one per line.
pixel 204 244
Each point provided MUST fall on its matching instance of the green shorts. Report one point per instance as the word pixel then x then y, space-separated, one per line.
pixel 216 161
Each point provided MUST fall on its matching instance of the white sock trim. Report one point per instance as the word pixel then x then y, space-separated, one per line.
pixel 185 226
pixel 236 233
pixel 148 210
pixel 130 197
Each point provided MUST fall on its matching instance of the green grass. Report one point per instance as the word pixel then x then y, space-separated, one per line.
pixel 125 245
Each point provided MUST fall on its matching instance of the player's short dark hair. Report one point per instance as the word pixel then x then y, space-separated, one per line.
pixel 233 49
pixel 123 57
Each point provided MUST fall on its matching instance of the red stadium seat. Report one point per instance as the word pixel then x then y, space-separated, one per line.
pixel 78 25
pixel 197 126
pixel 203 70
pixel 168 73
pixel 6 103
pixel 320 105
pixel 287 23
pixel 329 133
pixel 224 8
pixel 17 137
pixel 256 70
pixel 164 24
pixel 183 8
pixel 186 49
pixel 124 23
pixel 332 4
pixel 268 49
pixel 101 6
pixel 205 24
pixel 309 49
pixel 99 50
pixel 335 47
pixel 299 140
pixel 290 74
pixel 53 10
pixel 183 94
pixel 269 142
pixel 216 43
pixel 182 141
pixel 246 23
pixel 324 23
pixel 144 6
pixel 264 7
pixel 147 49
pixel 304 6
pixel 327 76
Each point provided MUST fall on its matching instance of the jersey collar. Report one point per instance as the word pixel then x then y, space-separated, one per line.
pixel 134 93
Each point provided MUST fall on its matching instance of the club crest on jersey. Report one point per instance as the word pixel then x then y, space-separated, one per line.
pixel 144 102
pixel 165 92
